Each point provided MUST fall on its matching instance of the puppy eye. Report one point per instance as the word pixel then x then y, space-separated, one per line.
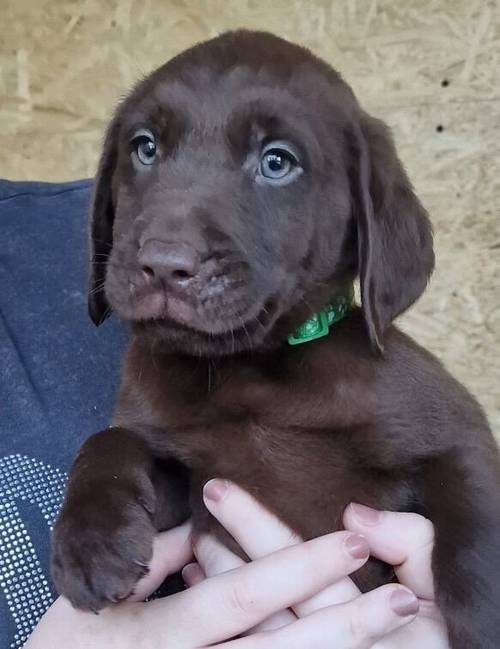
pixel 275 163
pixel 144 146
pixel 278 163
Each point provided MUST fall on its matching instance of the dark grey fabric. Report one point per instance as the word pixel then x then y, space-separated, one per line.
pixel 58 376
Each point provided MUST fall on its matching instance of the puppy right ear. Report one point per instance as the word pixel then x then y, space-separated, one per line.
pixel 101 226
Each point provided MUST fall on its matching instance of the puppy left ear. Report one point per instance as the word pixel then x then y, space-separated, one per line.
pixel 395 252
pixel 102 217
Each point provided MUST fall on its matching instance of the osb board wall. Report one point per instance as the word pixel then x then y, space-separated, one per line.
pixel 430 68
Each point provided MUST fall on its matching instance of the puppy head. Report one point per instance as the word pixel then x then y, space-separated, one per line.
pixel 240 185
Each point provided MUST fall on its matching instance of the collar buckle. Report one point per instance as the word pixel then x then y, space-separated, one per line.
pixel 318 325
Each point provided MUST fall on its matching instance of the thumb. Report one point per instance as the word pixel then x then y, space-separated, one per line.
pixel 172 550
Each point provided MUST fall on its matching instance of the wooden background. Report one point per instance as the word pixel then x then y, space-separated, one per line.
pixel 430 68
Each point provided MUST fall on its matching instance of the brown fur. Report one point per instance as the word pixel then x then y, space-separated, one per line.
pixel 214 267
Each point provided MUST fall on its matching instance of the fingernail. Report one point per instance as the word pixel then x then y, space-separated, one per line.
pixel 366 515
pixel 404 603
pixel 215 490
pixel 189 573
pixel 356 546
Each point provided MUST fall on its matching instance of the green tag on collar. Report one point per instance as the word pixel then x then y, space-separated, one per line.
pixel 319 324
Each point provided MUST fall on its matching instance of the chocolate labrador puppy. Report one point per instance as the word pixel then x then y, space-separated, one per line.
pixel 240 192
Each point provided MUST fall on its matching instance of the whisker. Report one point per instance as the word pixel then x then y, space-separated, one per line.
pixel 97 289
pixel 105 241
pixel 106 313
pixel 209 375
pixel 153 359
pixel 307 305
pixel 260 323
pixel 246 332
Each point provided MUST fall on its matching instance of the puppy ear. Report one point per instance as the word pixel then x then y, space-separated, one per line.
pixel 395 253
pixel 101 227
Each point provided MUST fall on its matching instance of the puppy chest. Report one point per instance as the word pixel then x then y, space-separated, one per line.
pixel 296 475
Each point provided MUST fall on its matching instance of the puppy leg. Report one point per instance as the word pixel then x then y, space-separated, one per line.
pixel 463 500
pixel 118 496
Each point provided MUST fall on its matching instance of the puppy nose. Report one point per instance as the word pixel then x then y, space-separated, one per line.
pixel 175 263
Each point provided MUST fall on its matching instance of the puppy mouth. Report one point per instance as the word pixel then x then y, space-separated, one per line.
pixel 233 317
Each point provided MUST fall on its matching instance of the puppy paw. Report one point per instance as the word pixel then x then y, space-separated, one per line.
pixel 102 546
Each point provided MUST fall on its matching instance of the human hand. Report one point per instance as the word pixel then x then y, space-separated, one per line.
pixel 120 626
pixel 225 606
pixel 404 540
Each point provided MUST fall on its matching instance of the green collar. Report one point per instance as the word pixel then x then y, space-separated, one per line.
pixel 319 324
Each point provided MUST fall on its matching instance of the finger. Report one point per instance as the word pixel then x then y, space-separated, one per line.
pixel 340 592
pixel 192 574
pixel 428 629
pixel 215 558
pixel 273 622
pixel 231 603
pixel 355 625
pixel 258 533
pixel 171 551
pixel 404 540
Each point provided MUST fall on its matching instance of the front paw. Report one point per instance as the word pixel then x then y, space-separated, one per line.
pixel 101 547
